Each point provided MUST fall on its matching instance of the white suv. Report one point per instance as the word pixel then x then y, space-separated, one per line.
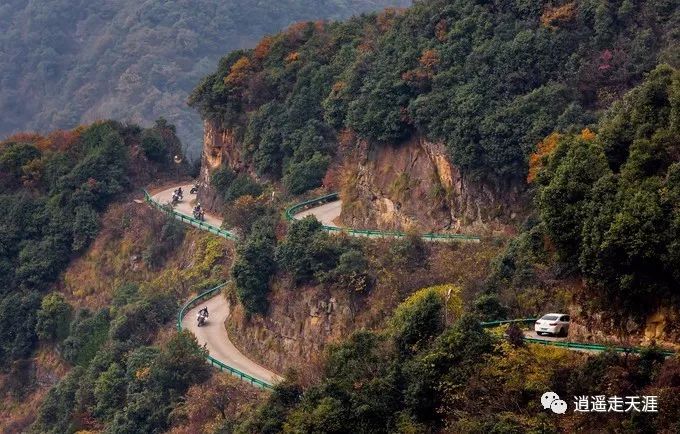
pixel 553 324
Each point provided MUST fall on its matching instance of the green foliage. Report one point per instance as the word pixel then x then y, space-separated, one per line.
pixel 17 325
pixel 54 318
pixel 490 79
pixel 13 158
pixel 109 391
pixel 254 265
pixel 169 238
pixel 371 386
pixel 574 169
pixel 609 203
pixel 85 227
pixel 232 186
pixel 88 333
pixel 306 174
pixel 56 412
pixel 417 321
pixel 489 308
pixel 134 60
pixel 221 179
pixel 241 186
pixel 409 252
pixel 154 148
pixel 303 251
pixel 311 255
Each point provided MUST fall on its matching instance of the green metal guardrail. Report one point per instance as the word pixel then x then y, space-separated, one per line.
pixel 569 344
pixel 210 292
pixel 213 361
pixel 190 220
pixel 290 216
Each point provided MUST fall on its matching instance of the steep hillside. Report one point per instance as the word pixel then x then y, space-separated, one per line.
pixel 64 63
pixel 57 193
pixel 483 81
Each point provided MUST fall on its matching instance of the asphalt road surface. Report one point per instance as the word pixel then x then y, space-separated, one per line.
pixel 214 333
pixel 326 213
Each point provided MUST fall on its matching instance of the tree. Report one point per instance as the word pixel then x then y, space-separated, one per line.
pixel 573 170
pixel 243 185
pixel 417 321
pixel 306 250
pixel 153 146
pixel 54 318
pixel 85 227
pixel 56 412
pixel 17 325
pixel 109 391
pixel 251 272
pixel 307 174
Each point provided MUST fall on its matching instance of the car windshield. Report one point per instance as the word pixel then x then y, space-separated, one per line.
pixel 550 317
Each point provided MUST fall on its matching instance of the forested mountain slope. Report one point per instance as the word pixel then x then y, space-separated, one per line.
pixel 488 80
pixel 66 62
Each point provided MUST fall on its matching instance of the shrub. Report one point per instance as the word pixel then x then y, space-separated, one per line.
pixel 54 318
pixel 88 333
pixel 253 267
pixel 221 179
pixel 409 252
pixel 306 175
pixel 489 308
pixel 241 186
pixel 153 146
pixel 307 250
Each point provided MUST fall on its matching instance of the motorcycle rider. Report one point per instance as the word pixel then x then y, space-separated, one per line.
pixel 179 192
pixel 198 211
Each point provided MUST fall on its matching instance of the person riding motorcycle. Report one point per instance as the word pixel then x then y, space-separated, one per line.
pixel 202 315
pixel 198 212
pixel 194 189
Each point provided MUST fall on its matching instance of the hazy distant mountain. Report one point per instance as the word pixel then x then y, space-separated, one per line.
pixel 66 62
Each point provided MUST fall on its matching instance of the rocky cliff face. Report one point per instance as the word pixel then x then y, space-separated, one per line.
pixel 414 186
pixel 297 329
pixel 220 148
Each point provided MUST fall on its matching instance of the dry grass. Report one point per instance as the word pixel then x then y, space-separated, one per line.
pixel 25 386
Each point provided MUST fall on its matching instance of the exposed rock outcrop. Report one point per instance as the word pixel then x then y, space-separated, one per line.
pixel 412 185
pixel 220 148
pixel 297 329
pixel 415 186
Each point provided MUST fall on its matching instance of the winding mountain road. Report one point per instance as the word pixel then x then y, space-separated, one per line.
pixel 326 213
pixel 214 333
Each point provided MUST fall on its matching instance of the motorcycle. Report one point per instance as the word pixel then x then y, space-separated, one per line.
pixel 194 189
pixel 201 318
pixel 176 197
pixel 199 214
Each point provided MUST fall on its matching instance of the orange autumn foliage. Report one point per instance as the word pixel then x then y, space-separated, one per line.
pixel 537 159
pixel 385 19
pixel 292 57
pixel 263 48
pixel 239 72
pixel 338 86
pixel 430 59
pixel 553 16
pixel 587 135
pixel 58 140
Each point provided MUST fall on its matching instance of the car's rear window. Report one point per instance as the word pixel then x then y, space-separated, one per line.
pixel 550 317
